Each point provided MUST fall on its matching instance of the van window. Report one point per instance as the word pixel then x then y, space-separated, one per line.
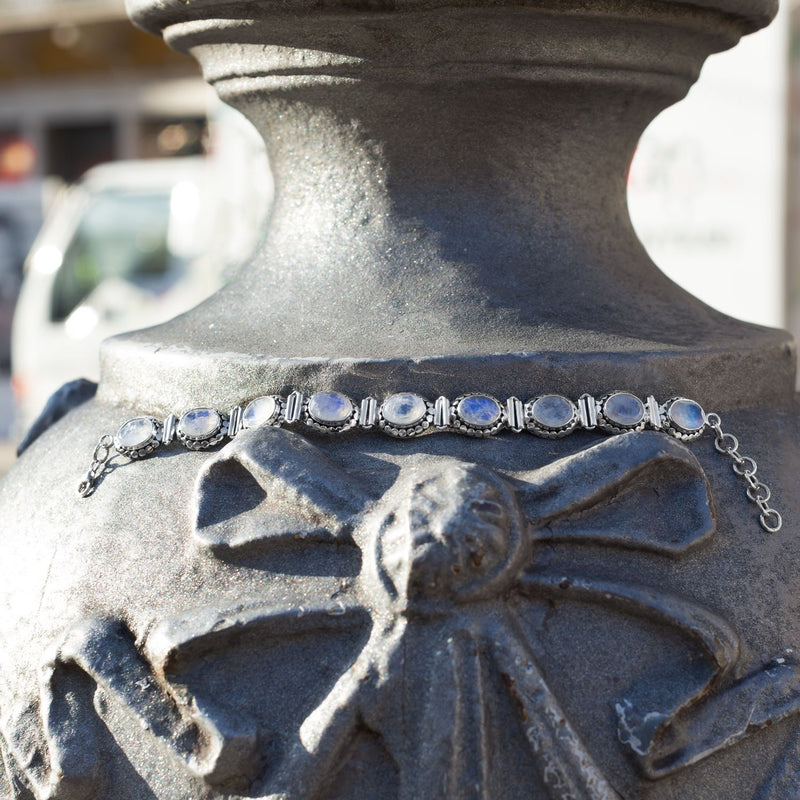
pixel 123 235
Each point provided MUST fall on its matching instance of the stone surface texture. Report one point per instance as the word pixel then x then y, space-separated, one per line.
pixel 297 616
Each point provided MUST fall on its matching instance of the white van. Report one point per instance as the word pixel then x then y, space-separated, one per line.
pixel 131 245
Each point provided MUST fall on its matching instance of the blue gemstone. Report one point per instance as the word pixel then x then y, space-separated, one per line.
pixel 261 411
pixel 552 411
pixel 404 410
pixel 200 423
pixel 624 409
pixel 330 408
pixel 136 433
pixel 479 410
pixel 687 415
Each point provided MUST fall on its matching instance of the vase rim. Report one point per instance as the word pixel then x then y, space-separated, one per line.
pixel 156 15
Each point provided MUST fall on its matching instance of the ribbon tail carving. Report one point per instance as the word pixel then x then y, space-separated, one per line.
pixel 723 718
pixel 642 491
pixel 568 770
pixel 272 486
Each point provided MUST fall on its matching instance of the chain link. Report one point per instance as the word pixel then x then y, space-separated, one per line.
pixel 103 450
pixel 745 467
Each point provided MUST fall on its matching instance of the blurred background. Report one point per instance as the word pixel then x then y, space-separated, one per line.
pixel 128 193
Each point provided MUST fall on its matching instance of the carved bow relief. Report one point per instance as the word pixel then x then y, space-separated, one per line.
pixel 447 564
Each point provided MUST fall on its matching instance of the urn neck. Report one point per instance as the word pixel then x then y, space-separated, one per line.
pixel 457 199
pixel 409 183
pixel 450 184
pixel 436 168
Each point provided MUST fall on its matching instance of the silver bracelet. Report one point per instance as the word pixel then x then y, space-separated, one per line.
pixel 405 415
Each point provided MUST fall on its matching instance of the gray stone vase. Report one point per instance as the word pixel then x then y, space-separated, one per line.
pixel 300 616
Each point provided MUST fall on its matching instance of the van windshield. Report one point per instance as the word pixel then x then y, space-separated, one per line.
pixel 122 235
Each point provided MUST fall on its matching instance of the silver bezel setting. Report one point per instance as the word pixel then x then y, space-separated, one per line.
pixel 532 425
pixel 406 431
pixel 207 440
pixel 142 450
pixel 324 427
pixel 672 427
pixel 614 427
pixel 460 425
pixel 275 418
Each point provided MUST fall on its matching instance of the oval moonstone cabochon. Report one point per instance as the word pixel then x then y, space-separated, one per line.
pixel 404 409
pixel 552 411
pixel 479 410
pixel 624 409
pixel 330 408
pixel 686 415
pixel 260 411
pixel 200 423
pixel 136 433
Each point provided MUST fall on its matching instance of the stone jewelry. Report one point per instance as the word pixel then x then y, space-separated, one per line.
pixel 405 415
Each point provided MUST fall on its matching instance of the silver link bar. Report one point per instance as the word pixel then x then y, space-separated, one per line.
pixel 168 434
pixel 653 412
pixel 515 414
pixel 368 415
pixel 587 411
pixel 441 413
pixel 294 407
pixel 235 422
